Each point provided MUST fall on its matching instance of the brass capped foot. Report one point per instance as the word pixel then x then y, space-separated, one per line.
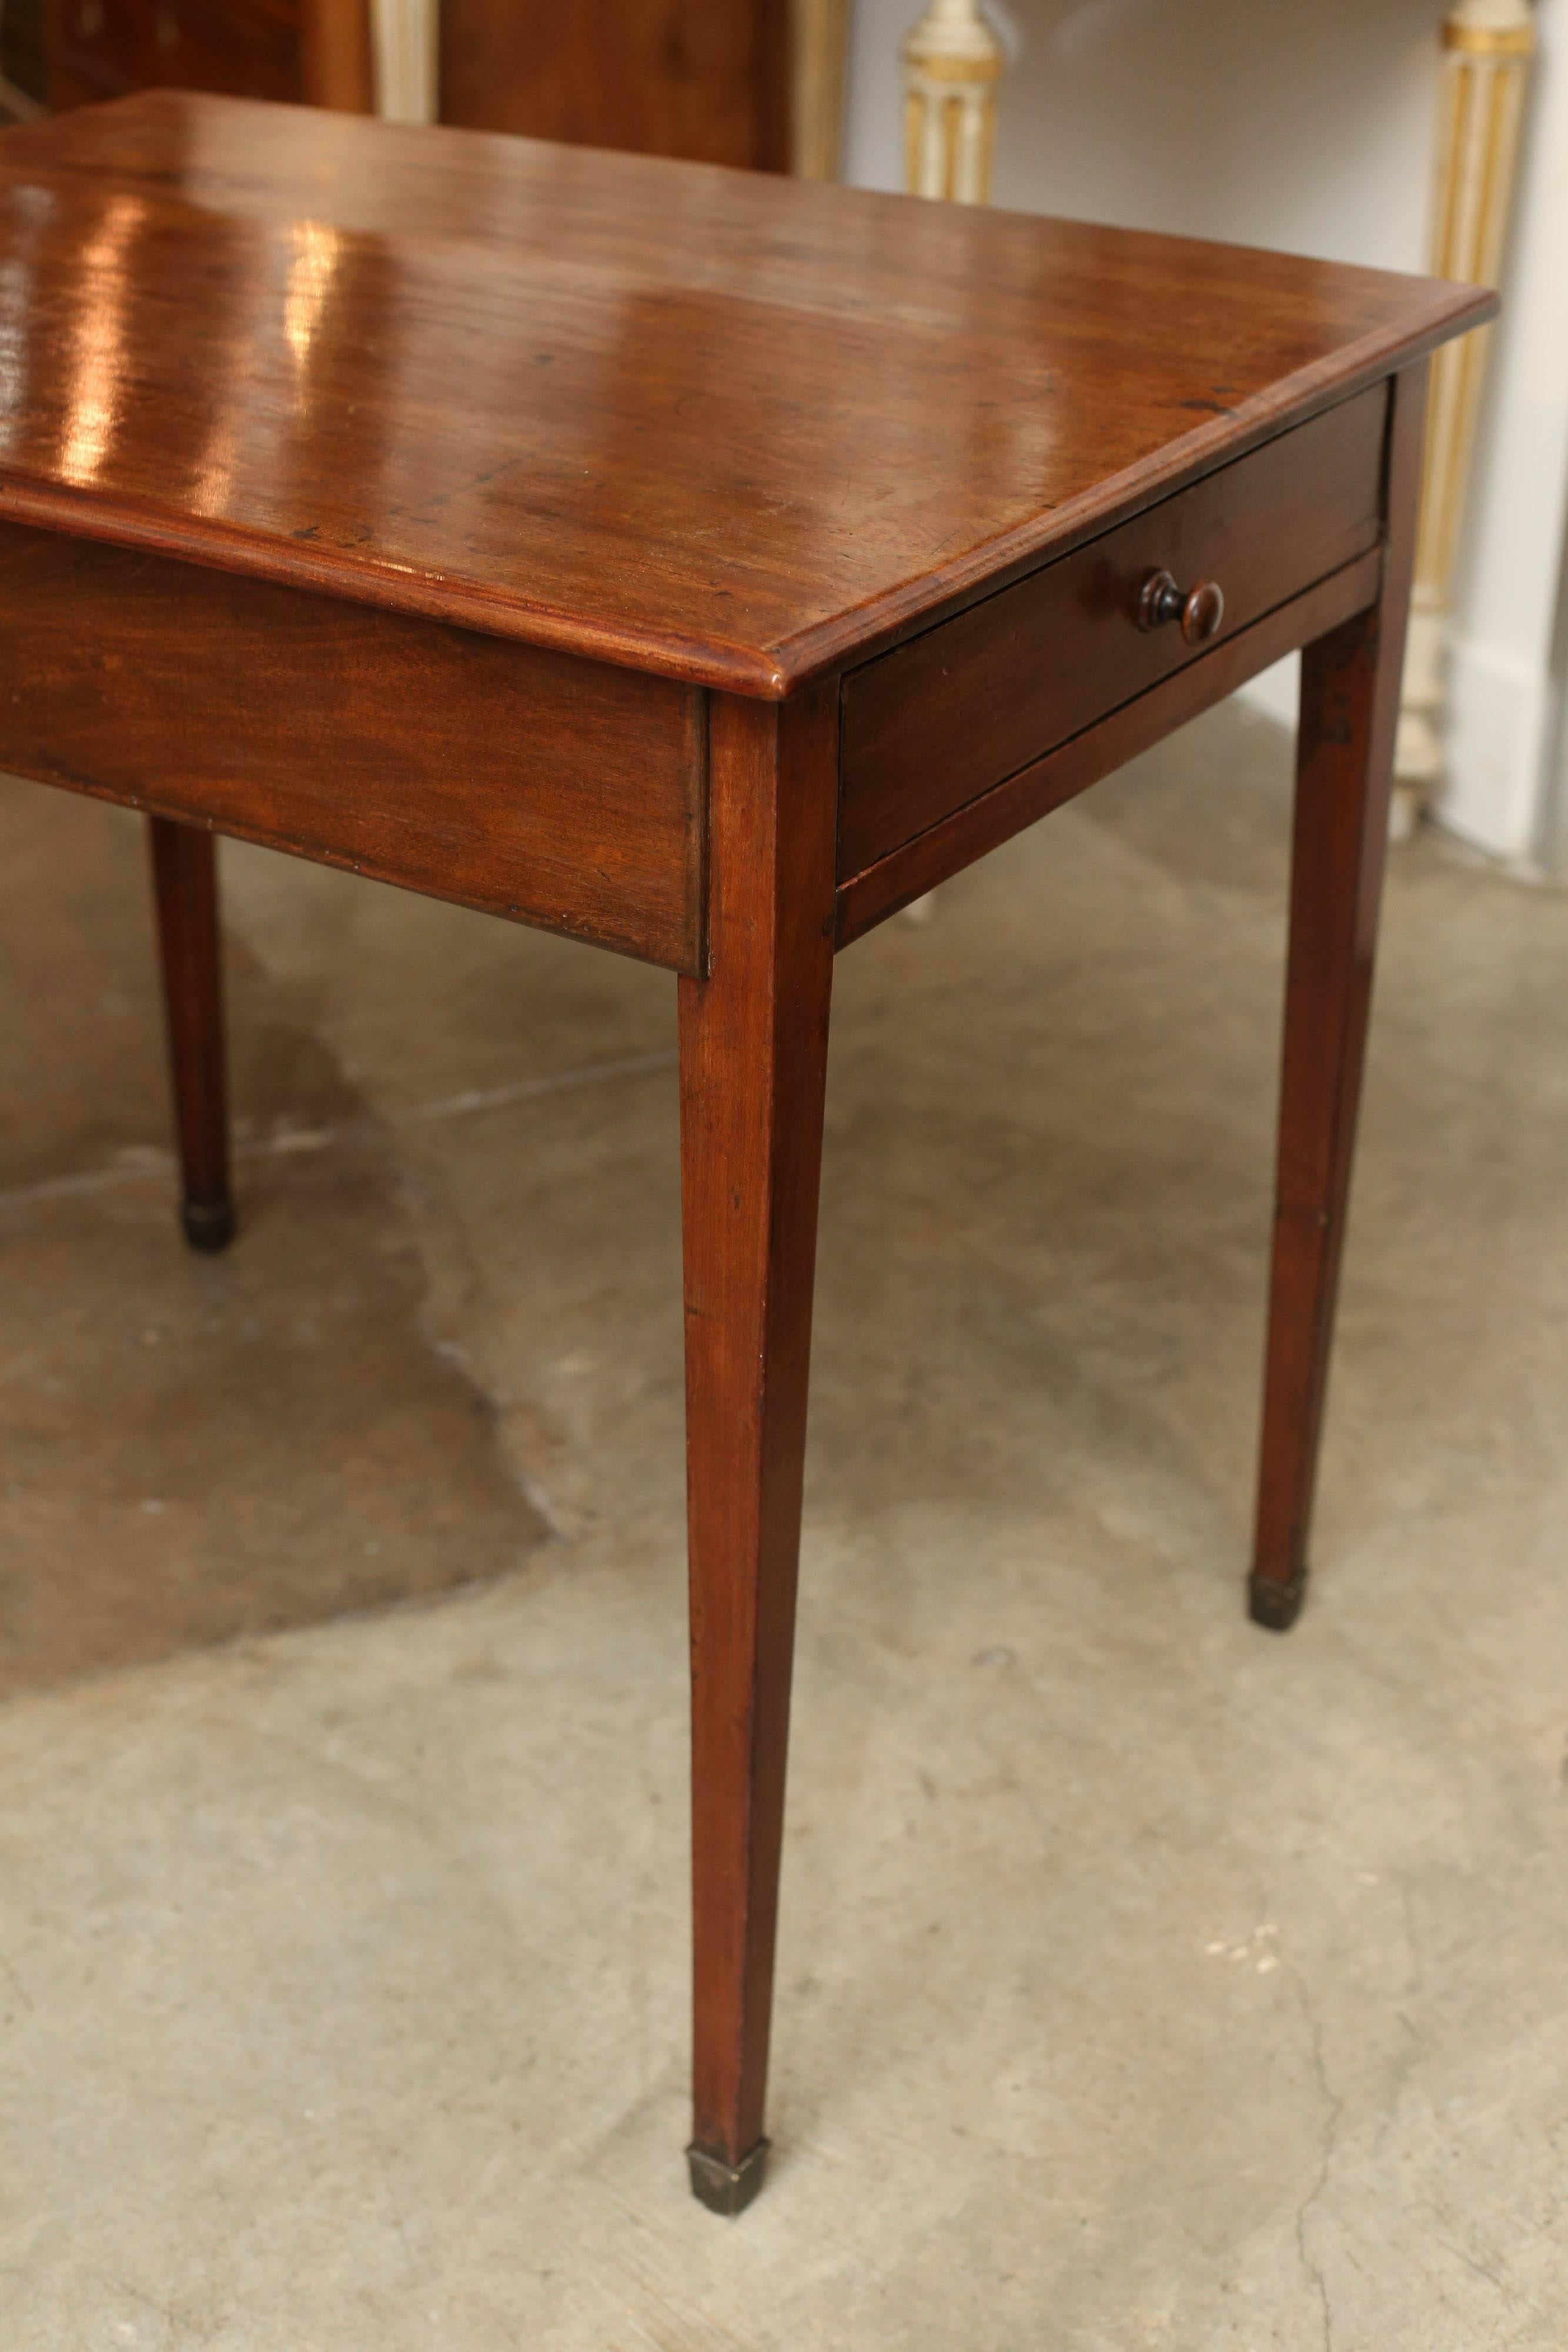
pixel 1275 1605
pixel 208 1224
pixel 723 2187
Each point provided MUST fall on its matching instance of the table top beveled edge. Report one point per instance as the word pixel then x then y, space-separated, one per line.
pixel 904 613
pixel 772 671
pixel 754 665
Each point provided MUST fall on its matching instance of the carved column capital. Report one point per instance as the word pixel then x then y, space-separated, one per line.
pixel 1495 28
pixel 952 62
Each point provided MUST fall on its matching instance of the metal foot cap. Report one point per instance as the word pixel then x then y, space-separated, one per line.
pixel 727 2188
pixel 1275 1605
pixel 208 1224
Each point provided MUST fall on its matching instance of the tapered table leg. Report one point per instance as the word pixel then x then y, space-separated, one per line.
pixel 185 877
pixel 753 1038
pixel 1350 709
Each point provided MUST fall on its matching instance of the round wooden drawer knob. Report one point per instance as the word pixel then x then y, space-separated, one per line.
pixel 1200 612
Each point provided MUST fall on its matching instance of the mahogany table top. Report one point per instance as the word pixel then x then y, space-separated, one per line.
pixel 714 424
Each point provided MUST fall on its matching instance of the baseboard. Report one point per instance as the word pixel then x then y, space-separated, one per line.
pixel 1493 793
pixel 1501 715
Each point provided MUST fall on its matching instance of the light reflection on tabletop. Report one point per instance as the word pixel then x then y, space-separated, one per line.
pixel 562 379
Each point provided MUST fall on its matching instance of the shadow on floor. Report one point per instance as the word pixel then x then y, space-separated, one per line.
pixel 196 1449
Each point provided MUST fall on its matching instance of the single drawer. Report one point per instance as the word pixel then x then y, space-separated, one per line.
pixel 562 792
pixel 942 718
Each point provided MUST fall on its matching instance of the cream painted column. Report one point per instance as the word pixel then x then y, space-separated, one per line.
pixel 952 64
pixel 1488 48
pixel 404 49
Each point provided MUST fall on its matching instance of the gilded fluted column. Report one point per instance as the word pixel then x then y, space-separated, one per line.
pixel 952 64
pixel 1488 46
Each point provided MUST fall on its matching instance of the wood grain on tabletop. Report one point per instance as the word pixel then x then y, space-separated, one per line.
pixel 724 426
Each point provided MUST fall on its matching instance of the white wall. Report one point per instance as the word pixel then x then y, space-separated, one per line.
pixel 1268 123
pixel 1508 774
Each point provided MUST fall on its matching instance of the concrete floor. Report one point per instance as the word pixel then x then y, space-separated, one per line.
pixel 1144 1981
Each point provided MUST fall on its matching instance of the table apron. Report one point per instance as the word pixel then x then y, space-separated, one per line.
pixel 564 792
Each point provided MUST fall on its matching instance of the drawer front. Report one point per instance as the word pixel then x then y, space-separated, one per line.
pixel 562 792
pixel 944 718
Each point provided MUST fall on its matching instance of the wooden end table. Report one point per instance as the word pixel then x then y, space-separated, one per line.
pixel 703 566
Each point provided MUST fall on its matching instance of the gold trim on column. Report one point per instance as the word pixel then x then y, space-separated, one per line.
pixel 1480 42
